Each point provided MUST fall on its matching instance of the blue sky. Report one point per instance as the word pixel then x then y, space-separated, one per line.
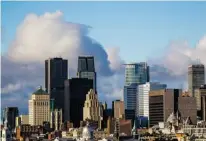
pixel 140 29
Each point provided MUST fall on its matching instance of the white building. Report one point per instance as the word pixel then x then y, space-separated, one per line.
pixel 143 96
pixel 39 107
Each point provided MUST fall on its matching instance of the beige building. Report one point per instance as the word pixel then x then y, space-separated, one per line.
pixel 91 108
pixel 200 95
pixel 39 107
pixel 24 119
pixel 118 109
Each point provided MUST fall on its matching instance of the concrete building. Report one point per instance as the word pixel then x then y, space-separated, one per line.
pixel 91 108
pixel 196 77
pixel 118 109
pixel 200 95
pixel 9 115
pixel 56 119
pixel 24 119
pixel 86 69
pixel 39 107
pixel 75 96
pixel 161 104
pixel 143 97
pixel 135 74
pixel 187 108
pixel 56 72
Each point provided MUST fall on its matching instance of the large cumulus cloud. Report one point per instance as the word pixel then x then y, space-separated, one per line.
pixel 39 37
pixel 49 35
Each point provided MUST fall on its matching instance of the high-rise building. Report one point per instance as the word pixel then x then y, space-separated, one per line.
pixel 143 97
pixel 75 96
pixel 91 107
pixel 187 108
pixel 135 74
pixel 118 109
pixel 161 104
pixel 56 119
pixel 200 96
pixel 39 107
pixel 196 77
pixel 9 115
pixel 24 119
pixel 56 72
pixel 86 69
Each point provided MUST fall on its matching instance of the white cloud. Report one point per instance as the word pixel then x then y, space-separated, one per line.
pixel 49 35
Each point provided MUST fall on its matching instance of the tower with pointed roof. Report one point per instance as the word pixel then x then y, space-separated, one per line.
pixel 39 107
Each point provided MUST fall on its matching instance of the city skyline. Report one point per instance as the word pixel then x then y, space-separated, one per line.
pixel 163 39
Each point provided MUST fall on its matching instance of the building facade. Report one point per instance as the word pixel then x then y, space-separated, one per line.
pixel 9 115
pixel 118 109
pixel 196 77
pixel 187 108
pixel 86 69
pixel 161 104
pixel 91 108
pixel 56 119
pixel 200 95
pixel 56 72
pixel 143 97
pixel 39 107
pixel 75 96
pixel 135 74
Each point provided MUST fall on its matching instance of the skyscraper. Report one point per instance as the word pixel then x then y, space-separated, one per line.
pixel 56 72
pixel 135 74
pixel 9 115
pixel 143 97
pixel 91 108
pixel 39 107
pixel 75 96
pixel 196 77
pixel 86 69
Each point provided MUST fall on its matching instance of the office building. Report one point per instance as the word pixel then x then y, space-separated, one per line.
pixel 86 69
pixel 118 109
pixel 56 119
pixel 196 77
pixel 187 108
pixel 9 115
pixel 56 72
pixel 200 95
pixel 39 107
pixel 135 74
pixel 91 108
pixel 75 96
pixel 143 97
pixel 161 104
pixel 21 120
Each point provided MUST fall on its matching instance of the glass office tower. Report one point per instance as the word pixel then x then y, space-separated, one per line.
pixel 135 74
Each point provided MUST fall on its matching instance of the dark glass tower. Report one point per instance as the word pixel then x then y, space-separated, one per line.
pixel 75 96
pixel 10 114
pixel 56 72
pixel 86 69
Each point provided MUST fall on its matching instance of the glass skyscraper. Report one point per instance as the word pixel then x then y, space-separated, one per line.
pixel 86 69
pixel 135 74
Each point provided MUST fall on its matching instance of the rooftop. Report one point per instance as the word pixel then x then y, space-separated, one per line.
pixel 40 91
